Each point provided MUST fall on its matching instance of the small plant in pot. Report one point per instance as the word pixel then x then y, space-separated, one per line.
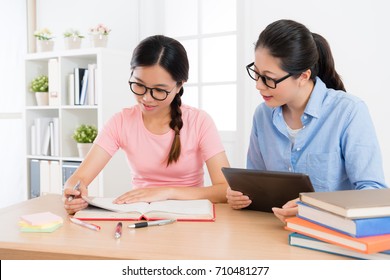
pixel 40 85
pixel 72 39
pixel 84 135
pixel 44 40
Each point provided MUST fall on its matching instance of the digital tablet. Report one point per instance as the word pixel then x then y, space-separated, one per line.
pixel 267 189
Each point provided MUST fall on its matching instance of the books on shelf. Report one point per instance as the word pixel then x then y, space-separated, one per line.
pixel 82 86
pixel 351 203
pixel 83 90
pixel 78 83
pixel 45 137
pixel 91 94
pixel 368 245
pixel 68 168
pixel 35 178
pixel 45 177
pixel 354 227
pixel 71 89
pixel 300 240
pixel 54 82
pixel 185 210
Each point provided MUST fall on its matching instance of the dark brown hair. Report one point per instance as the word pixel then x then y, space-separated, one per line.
pixel 170 55
pixel 299 50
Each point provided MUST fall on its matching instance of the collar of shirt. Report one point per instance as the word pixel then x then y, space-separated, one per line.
pixel 313 107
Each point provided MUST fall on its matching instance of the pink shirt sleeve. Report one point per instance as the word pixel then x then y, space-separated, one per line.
pixel 209 141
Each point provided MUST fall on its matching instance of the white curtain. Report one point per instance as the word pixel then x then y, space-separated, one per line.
pixel 13 45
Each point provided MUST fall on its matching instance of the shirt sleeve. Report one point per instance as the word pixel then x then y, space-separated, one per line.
pixel 209 141
pixel 254 157
pixel 109 137
pixel 363 160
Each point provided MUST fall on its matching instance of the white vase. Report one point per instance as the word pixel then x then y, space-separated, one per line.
pixel 98 40
pixel 73 42
pixel 42 98
pixel 45 45
pixel 83 149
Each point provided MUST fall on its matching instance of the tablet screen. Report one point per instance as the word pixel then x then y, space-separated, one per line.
pixel 267 189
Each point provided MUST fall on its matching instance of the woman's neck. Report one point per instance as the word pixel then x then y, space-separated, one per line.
pixel 293 111
pixel 157 124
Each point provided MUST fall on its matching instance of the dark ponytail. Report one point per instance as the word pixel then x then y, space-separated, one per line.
pixel 325 65
pixel 299 50
pixel 170 55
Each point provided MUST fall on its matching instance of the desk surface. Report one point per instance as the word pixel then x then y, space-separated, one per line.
pixel 235 234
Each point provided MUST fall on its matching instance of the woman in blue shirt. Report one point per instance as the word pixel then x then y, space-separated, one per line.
pixel 308 123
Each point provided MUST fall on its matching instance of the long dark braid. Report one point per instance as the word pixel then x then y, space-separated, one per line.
pixel 176 125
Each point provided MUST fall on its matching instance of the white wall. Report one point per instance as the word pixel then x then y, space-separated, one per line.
pixel 357 32
pixel 12 146
pixel 121 16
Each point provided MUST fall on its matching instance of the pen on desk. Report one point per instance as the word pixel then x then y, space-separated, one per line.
pixel 75 188
pixel 84 224
pixel 118 230
pixel 152 223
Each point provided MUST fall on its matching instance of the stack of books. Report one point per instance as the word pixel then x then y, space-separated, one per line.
pixel 353 223
pixel 40 222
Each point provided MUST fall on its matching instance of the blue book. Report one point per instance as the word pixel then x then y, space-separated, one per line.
pixel 300 240
pixel 354 227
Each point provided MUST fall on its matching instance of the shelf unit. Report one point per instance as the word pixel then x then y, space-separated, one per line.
pixel 111 75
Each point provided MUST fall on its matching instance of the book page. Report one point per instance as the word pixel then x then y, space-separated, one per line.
pixel 107 203
pixel 201 208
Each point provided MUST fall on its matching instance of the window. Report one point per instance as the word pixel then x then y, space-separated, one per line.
pixel 207 29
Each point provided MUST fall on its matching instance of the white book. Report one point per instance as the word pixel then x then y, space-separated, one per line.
pixel 55 177
pixel 91 84
pixel 37 125
pixel 70 89
pixel 56 138
pixel 97 88
pixel 46 141
pixel 44 172
pixel 41 125
pixel 54 82
pixel 33 140
pixel 51 126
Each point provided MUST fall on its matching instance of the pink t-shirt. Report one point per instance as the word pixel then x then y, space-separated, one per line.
pixel 147 152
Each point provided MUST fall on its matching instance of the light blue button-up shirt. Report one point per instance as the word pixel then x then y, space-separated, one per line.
pixel 337 146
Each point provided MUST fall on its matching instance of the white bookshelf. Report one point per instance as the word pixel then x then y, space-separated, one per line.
pixel 113 94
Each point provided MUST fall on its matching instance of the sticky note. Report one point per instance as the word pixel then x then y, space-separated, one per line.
pixel 41 218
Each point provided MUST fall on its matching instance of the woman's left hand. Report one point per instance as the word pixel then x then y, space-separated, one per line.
pixel 290 209
pixel 144 195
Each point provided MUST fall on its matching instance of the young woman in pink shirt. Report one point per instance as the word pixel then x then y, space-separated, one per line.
pixel 166 143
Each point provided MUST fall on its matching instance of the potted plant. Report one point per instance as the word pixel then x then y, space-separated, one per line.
pixel 44 40
pixel 99 35
pixel 72 39
pixel 84 135
pixel 40 85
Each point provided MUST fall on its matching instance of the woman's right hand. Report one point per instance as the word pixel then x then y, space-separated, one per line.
pixel 77 203
pixel 236 199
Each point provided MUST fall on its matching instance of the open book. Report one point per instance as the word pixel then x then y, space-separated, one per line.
pixel 103 208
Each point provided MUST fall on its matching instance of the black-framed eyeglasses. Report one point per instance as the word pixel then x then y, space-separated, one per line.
pixel 269 82
pixel 156 93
